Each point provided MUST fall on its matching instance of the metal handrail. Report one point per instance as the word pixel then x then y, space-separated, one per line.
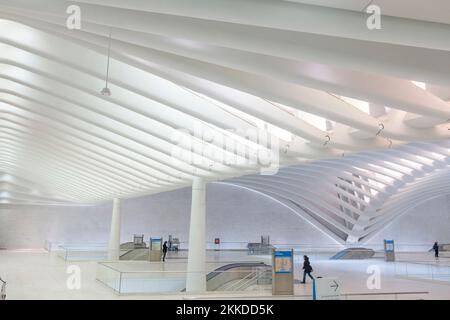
pixel 384 293
pixel 395 294
pixel 242 286
pixel 433 270
pixel 345 295
pixel 248 280
pixel 3 290
pixel 253 280
pixel 237 285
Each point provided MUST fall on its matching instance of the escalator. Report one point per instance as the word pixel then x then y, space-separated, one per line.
pixel 133 251
pixel 238 276
pixel 354 254
pixel 136 254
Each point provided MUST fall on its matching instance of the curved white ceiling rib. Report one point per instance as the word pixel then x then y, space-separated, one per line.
pixel 322 85
pixel 353 198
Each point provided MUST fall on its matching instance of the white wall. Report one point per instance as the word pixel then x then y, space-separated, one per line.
pixel 233 214
pixel 423 225
pixel 30 226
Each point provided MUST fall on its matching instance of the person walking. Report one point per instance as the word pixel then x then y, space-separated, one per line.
pixel 436 250
pixel 307 269
pixel 164 250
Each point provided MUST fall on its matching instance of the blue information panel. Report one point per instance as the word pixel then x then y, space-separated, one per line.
pixel 283 261
pixel 155 244
pixel 389 250
pixel 389 245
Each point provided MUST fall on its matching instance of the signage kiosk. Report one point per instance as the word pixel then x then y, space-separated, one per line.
pixel 155 249
pixel 326 289
pixel 282 272
pixel 389 251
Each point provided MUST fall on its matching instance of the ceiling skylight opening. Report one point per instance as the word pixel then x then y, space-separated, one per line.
pixel 359 104
pixel 280 133
pixel 252 120
pixel 315 120
pixel 312 119
pixel 235 112
pixel 421 85
pixel 239 138
pixel 290 110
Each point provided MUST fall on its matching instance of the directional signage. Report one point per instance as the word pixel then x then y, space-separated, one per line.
pixel 283 261
pixel 282 272
pixel 389 251
pixel 326 289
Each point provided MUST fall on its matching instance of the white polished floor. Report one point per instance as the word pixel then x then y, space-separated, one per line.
pixel 40 275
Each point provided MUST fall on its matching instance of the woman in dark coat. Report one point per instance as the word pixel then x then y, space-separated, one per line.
pixel 307 269
pixel 436 249
pixel 164 251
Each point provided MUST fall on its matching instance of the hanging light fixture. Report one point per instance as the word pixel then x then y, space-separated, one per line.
pixel 105 91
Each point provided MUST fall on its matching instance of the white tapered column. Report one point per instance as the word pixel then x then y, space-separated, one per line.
pixel 114 235
pixel 196 277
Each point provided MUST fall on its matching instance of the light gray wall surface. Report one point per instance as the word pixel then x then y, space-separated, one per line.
pixel 425 224
pixel 233 215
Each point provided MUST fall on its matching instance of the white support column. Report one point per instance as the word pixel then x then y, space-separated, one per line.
pixel 114 235
pixel 196 277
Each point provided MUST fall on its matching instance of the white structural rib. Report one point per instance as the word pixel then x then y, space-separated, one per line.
pixel 353 198
pixel 189 78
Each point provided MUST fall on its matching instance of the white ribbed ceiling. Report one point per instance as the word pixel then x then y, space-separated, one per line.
pixel 352 198
pixel 313 76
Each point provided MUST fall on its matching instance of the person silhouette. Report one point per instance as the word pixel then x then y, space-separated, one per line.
pixel 436 249
pixel 164 251
pixel 307 269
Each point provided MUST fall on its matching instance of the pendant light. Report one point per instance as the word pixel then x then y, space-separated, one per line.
pixel 105 91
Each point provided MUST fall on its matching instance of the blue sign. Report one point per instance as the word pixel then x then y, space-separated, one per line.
pixel 155 244
pixel 389 245
pixel 283 253
pixel 283 261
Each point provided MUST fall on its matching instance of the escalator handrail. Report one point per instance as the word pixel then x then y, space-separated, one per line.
pixel 227 267
pixel 244 281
